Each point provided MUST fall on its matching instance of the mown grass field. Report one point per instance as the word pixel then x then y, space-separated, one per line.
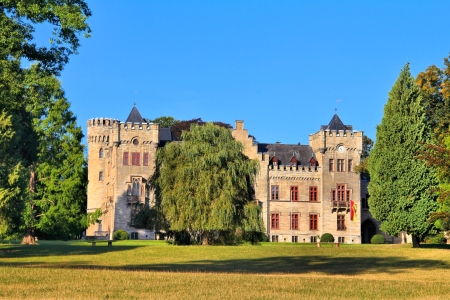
pixel 155 270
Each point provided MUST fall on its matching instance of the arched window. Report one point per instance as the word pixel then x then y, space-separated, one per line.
pixel 129 190
pixel 136 187
pixel 100 153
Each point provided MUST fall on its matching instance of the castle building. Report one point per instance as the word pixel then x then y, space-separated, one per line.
pixel 304 190
pixel 121 159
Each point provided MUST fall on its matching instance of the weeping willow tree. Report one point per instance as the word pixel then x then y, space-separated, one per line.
pixel 205 184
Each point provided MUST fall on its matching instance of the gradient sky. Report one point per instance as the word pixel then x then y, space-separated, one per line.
pixel 280 66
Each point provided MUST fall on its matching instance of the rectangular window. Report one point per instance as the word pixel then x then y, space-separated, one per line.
pixel 340 192
pixel 341 222
pixel 145 163
pixel 340 165
pixel 294 193
pixel 341 239
pixel 100 175
pixel 135 158
pixel 331 165
pixel 350 165
pixel 313 222
pixel 347 195
pixel 295 239
pixel 125 158
pixel 294 221
pixel 274 194
pixel 275 221
pixel 313 196
pixel 365 202
pixel 274 238
pixel 313 239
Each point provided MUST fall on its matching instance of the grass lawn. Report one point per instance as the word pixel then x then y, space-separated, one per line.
pixel 155 270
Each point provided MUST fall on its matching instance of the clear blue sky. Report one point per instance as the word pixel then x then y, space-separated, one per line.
pixel 278 65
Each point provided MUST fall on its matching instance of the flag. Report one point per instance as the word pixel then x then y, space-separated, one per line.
pixel 353 210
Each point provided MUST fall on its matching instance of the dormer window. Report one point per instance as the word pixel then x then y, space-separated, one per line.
pixel 275 161
pixel 293 161
pixel 313 162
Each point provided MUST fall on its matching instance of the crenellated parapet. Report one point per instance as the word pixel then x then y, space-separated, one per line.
pixel 101 122
pixel 294 169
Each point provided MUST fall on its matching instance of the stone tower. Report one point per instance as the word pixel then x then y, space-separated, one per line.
pixel 121 159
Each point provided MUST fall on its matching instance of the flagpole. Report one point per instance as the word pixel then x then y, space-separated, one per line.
pixel 351 241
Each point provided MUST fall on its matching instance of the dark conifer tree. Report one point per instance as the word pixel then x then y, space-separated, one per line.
pixel 402 187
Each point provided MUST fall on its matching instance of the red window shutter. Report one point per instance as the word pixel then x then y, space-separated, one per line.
pixel 125 158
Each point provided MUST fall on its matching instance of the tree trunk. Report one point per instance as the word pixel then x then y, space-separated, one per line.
pixel 28 239
pixel 415 241
pixel 205 238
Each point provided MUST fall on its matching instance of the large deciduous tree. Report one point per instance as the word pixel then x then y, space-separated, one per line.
pixel 402 187
pixel 205 183
pixel 435 90
pixel 26 69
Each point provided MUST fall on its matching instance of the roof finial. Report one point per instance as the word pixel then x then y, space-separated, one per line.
pixel 335 108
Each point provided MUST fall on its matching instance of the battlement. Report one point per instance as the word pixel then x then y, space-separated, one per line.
pixel 101 122
pixel 138 126
pixel 296 169
pixel 339 133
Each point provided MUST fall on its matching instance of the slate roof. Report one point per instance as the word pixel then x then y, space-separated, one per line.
pixel 135 117
pixel 165 135
pixel 336 124
pixel 284 153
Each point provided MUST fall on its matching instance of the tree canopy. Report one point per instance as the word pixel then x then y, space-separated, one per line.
pixel 205 183
pixel 179 126
pixel 401 187
pixel 435 90
pixel 35 114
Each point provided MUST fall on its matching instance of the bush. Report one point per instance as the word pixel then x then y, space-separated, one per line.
pixel 435 239
pixel 378 239
pixel 121 235
pixel 327 238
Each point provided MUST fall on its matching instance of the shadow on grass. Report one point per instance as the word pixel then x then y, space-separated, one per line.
pixel 13 251
pixel 329 265
pixel 435 246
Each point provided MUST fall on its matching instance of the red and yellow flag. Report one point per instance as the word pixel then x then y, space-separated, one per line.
pixel 353 210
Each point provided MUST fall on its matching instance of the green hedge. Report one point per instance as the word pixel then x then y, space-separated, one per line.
pixel 378 239
pixel 327 238
pixel 121 235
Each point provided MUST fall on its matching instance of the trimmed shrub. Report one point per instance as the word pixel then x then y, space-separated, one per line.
pixel 435 239
pixel 378 239
pixel 121 235
pixel 327 238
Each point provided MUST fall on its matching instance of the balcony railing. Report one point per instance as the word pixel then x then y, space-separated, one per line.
pixel 340 205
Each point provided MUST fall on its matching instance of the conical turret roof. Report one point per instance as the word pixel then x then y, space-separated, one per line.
pixel 336 124
pixel 135 116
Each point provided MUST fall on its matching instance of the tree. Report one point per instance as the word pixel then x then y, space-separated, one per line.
pixel 434 85
pixel 12 177
pixel 363 167
pixel 438 157
pixel 164 121
pixel 435 90
pixel 179 126
pixel 402 187
pixel 205 184
pixel 24 91
pixel 58 191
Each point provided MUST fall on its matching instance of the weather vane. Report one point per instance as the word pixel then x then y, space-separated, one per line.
pixel 335 108
pixel 135 92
